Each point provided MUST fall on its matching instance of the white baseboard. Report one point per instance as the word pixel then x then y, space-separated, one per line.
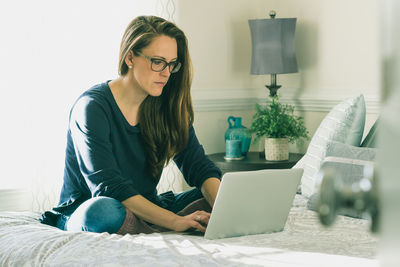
pixel 15 199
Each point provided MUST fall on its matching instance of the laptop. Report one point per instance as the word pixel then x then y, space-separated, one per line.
pixel 253 202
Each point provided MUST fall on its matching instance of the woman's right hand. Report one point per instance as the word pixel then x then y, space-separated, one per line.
pixel 197 220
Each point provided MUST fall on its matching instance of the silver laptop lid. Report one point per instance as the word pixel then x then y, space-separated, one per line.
pixel 253 202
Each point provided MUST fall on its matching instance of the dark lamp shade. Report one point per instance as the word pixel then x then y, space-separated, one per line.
pixel 273 46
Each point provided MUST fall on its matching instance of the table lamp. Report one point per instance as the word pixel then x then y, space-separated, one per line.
pixel 273 48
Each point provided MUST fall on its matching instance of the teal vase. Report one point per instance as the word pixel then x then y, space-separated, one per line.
pixel 237 131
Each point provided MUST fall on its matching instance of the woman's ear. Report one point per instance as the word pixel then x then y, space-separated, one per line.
pixel 129 59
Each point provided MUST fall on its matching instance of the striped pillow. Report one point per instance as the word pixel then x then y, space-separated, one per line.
pixel 345 124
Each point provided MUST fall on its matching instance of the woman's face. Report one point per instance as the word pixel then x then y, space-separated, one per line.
pixel 146 79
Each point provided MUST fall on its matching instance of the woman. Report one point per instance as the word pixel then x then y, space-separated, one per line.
pixel 123 132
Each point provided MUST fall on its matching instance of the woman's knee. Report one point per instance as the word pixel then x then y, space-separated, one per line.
pixel 99 214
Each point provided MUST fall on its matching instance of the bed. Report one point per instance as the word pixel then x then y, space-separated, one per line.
pixel 24 241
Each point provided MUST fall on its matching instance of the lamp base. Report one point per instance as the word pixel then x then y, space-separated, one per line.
pixel 273 88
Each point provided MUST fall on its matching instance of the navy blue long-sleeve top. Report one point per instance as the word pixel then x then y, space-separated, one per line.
pixel 105 155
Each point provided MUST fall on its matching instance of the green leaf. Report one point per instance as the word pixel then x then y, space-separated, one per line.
pixel 278 120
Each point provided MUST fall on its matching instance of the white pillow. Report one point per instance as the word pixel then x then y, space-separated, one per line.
pixel 348 171
pixel 340 150
pixel 345 124
pixel 349 160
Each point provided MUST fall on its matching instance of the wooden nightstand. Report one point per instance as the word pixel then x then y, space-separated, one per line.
pixel 253 162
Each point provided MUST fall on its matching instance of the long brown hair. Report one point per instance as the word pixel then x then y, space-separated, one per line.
pixel 164 121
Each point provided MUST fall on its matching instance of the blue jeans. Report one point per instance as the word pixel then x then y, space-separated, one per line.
pixel 105 214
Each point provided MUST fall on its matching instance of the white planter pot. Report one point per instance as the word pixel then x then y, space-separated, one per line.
pixel 276 149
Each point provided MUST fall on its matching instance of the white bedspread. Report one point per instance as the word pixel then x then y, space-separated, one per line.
pixel 304 242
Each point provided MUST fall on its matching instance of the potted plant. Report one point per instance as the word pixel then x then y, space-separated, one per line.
pixel 278 124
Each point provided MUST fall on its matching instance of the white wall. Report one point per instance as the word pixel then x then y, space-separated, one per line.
pixel 51 51
pixel 337 49
pixel 336 44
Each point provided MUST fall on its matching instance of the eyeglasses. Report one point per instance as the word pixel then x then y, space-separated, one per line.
pixel 158 64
